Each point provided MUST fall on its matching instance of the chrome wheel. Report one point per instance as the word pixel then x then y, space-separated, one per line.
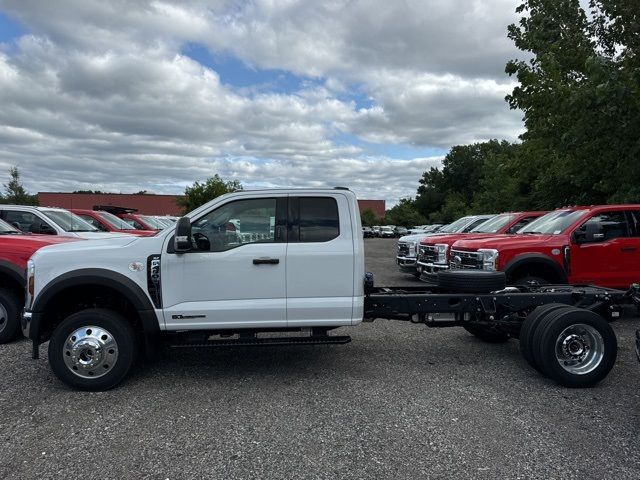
pixel 579 349
pixel 90 352
pixel 4 317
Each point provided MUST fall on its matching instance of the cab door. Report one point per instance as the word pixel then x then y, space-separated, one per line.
pixel 235 274
pixel 606 253
pixel 320 261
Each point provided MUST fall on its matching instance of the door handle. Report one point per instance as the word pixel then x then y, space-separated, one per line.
pixel 628 249
pixel 266 261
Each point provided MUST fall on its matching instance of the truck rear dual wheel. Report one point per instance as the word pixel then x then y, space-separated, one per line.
pixel 573 346
pixel 93 349
pixel 9 316
pixel 529 327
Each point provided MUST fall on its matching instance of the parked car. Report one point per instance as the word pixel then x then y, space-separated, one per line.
pixel 407 254
pixel 107 222
pixel 50 221
pixel 433 252
pixel 400 231
pixel 367 232
pixel 387 232
pixel 426 228
pixel 597 245
pixel 376 230
pixel 129 215
pixel 15 249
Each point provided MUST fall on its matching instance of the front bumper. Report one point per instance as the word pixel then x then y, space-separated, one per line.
pixel 429 271
pixel 407 264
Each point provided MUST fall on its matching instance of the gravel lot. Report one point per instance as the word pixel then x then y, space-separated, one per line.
pixel 400 401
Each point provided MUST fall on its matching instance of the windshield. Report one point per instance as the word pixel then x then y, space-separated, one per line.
pixel 553 223
pixel 494 224
pixel 152 222
pixel 68 221
pixel 456 226
pixel 6 229
pixel 163 221
pixel 115 222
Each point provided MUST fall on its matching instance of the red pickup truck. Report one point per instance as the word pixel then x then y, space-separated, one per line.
pixel 433 252
pixel 597 245
pixel 108 222
pixel 15 250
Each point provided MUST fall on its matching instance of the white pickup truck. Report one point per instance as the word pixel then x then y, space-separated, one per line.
pixel 256 267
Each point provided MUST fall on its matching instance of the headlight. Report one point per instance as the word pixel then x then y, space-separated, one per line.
pixel 489 258
pixel 441 252
pixel 413 248
pixel 31 282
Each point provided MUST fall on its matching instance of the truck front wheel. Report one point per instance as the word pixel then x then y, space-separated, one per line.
pixel 93 349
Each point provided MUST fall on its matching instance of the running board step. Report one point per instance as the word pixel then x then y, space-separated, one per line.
pixel 276 341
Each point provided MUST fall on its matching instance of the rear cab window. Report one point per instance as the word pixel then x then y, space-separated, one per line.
pixel 313 219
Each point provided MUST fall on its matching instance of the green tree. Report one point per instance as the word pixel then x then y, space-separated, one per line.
pixel 369 218
pixel 580 94
pixel 15 193
pixel 404 214
pixel 200 193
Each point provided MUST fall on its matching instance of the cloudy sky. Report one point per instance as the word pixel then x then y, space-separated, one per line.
pixel 122 96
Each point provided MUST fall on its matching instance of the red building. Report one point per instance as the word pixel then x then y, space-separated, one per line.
pixel 149 204
pixel 376 206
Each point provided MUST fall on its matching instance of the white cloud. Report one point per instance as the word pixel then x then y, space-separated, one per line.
pixel 99 95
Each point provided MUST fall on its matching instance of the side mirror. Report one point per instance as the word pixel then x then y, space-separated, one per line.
pixel 47 229
pixel 182 237
pixel 588 233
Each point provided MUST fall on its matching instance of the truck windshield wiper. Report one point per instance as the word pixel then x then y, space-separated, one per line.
pixel 11 232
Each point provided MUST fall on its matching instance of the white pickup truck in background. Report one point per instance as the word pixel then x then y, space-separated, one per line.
pixel 284 267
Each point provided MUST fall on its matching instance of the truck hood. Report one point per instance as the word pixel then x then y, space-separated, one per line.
pixel 99 235
pixel 112 242
pixel 501 242
pixel 448 239
pixel 416 237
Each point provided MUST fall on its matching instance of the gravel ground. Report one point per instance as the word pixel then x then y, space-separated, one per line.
pixel 400 401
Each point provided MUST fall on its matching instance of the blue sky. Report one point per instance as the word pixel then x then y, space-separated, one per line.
pixel 10 29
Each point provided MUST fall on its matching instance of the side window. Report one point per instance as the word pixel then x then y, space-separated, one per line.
pixel 609 225
pixel 235 224
pixel 25 221
pixel 318 219
pixel 634 222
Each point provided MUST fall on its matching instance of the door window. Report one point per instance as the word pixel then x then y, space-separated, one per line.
pixel 25 221
pixel 634 222
pixel 235 224
pixel 609 225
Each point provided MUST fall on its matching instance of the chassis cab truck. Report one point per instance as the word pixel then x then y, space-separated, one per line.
pixel 284 267
pixel 247 262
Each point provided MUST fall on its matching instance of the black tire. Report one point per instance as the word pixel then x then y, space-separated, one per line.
pixel 116 362
pixel 529 327
pixel 487 334
pixel 417 274
pixel 585 328
pixel 471 281
pixel 10 307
